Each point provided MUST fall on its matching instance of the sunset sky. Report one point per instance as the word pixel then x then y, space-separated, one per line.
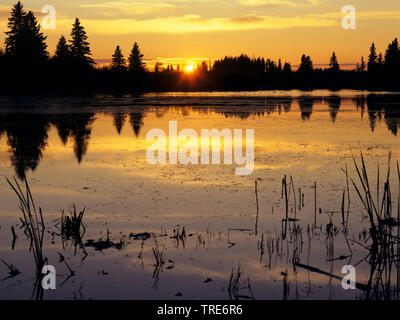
pixel 183 30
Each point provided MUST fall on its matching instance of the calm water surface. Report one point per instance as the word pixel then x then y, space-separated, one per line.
pixel 91 152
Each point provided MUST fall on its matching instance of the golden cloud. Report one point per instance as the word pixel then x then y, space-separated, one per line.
pixel 198 24
pixel 195 23
pixel 117 7
pixel 247 19
pixel 279 3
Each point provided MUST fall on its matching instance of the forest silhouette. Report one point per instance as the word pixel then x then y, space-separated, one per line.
pixel 27 66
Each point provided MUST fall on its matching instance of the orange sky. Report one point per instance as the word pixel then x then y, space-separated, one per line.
pixel 179 30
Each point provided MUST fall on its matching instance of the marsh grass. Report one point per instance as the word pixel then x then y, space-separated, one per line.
pixel 384 230
pixel 34 228
pixel 235 286
pixel 159 263
pixel 12 270
pixel 72 228
pixel 380 212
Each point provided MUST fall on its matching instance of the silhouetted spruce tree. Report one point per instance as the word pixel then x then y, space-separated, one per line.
pixel 203 68
pixel 380 60
pixel 372 59
pixel 280 65
pixel 392 56
pixel 25 43
pixel 80 48
pixel 62 50
pixel 270 66
pixel 361 67
pixel 333 63
pixel 15 26
pixel 136 64
pixel 287 68
pixel 380 63
pixel 306 65
pixel 118 60
pixel 258 65
pixel 157 67
pixel 35 39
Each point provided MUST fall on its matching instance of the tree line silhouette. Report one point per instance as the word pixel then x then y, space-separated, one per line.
pixel 27 66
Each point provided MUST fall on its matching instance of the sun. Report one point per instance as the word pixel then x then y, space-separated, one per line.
pixel 189 68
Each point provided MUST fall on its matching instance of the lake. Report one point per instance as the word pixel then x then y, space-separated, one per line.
pixel 193 231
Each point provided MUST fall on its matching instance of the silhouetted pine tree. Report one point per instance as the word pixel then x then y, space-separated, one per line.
pixel 80 48
pixel 280 65
pixel 306 65
pixel 136 64
pixel 380 60
pixel 287 68
pixel 333 63
pixel 270 66
pixel 35 39
pixel 380 63
pixel 15 26
pixel 203 68
pixel 361 67
pixel 24 42
pixel 392 56
pixel 372 59
pixel 62 50
pixel 157 67
pixel 118 60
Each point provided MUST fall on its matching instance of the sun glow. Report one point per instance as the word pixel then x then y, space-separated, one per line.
pixel 189 68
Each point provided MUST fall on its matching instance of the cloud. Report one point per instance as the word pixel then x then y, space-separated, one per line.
pixel 196 24
pixel 5 12
pixel 248 19
pixel 373 15
pixel 117 7
pixel 280 3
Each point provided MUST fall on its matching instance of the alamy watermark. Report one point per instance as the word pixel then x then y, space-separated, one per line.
pixel 49 20
pixel 183 147
pixel 49 278
pixel 349 280
pixel 349 20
